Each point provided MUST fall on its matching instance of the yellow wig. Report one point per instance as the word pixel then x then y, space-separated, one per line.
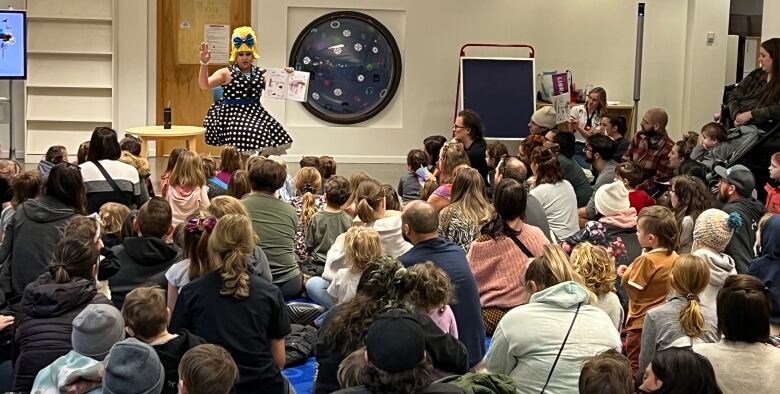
pixel 244 40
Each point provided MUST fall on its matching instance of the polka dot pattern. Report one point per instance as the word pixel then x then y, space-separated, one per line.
pixel 245 126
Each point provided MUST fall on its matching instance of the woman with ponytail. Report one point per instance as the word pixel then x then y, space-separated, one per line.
pixel 384 285
pixel 683 320
pixel 48 306
pixel 370 208
pixel 307 202
pixel 244 313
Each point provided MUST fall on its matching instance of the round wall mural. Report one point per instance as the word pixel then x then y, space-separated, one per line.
pixel 354 65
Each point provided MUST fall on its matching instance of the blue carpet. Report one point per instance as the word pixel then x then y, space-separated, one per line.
pixel 302 376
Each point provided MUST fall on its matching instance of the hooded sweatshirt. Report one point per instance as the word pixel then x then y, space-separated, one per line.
pixel 43 328
pixel 170 354
pixel 721 266
pixel 767 266
pixel 529 337
pixel 184 201
pixel 142 261
pixel 35 229
pixel 740 248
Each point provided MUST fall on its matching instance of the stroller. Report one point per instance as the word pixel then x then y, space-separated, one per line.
pixel 753 148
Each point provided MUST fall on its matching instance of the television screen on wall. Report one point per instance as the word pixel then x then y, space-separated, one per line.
pixel 13 44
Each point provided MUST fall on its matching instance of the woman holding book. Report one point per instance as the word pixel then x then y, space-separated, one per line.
pixel 239 119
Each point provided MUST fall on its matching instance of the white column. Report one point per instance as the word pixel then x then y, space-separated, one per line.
pixel 770 23
pixel 705 61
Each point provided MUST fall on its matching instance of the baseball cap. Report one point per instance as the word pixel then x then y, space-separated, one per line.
pixel 395 341
pixel 739 176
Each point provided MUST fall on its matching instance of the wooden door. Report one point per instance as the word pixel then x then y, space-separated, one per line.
pixel 180 27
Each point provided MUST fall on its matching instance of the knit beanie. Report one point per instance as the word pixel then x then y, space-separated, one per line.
pixel 612 198
pixel 133 367
pixel 714 228
pixel 544 117
pixel 96 329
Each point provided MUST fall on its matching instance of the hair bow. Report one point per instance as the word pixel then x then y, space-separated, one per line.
pixel 249 40
pixel 201 223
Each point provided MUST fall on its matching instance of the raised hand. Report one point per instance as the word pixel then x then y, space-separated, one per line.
pixel 205 53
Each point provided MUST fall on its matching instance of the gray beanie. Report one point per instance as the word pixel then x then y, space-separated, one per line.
pixel 96 329
pixel 132 367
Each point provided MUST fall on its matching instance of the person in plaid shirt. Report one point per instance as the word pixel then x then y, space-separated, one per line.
pixel 650 148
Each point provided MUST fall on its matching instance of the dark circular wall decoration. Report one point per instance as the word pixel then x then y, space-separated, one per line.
pixel 355 66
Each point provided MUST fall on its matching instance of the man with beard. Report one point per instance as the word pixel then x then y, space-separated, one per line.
pixel 420 228
pixel 735 189
pixel 650 148
pixel 599 150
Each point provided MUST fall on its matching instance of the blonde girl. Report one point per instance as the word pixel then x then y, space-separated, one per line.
pixel 682 321
pixel 187 191
pixel 229 161
pixel 461 221
pixel 166 175
pixel 452 155
pixel 431 292
pixel 307 202
pixel 361 245
pixel 112 215
pixel 143 172
pixel 195 237
pixel 224 305
pixel 226 205
pixel 239 185
pixel 597 269
pixel 223 205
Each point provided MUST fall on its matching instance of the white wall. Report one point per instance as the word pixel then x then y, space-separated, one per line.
pixel 701 93
pixel 597 45
pixel 770 24
pixel 132 53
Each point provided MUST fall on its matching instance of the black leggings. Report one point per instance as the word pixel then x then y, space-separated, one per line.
pixel 292 288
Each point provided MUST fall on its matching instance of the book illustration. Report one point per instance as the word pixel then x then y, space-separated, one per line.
pixel 281 84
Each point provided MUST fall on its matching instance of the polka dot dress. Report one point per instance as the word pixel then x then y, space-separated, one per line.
pixel 240 120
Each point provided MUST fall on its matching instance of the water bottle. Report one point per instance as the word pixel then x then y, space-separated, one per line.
pixel 167 116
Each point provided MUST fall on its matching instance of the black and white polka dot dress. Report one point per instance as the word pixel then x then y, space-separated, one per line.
pixel 240 120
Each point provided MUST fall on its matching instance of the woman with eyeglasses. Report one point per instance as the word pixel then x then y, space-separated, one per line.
pixel 37 225
pixel 468 131
pixel 689 197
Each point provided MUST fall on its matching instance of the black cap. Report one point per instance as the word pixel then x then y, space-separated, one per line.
pixel 395 341
pixel 739 176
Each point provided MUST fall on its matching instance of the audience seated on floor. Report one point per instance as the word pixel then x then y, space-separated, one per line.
pixel 461 279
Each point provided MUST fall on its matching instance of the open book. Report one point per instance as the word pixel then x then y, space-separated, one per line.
pixel 283 85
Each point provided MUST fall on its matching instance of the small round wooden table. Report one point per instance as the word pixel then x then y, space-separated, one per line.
pixel 157 133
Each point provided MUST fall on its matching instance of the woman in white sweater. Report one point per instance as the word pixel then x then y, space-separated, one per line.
pixel 559 317
pixel 554 193
pixel 743 361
